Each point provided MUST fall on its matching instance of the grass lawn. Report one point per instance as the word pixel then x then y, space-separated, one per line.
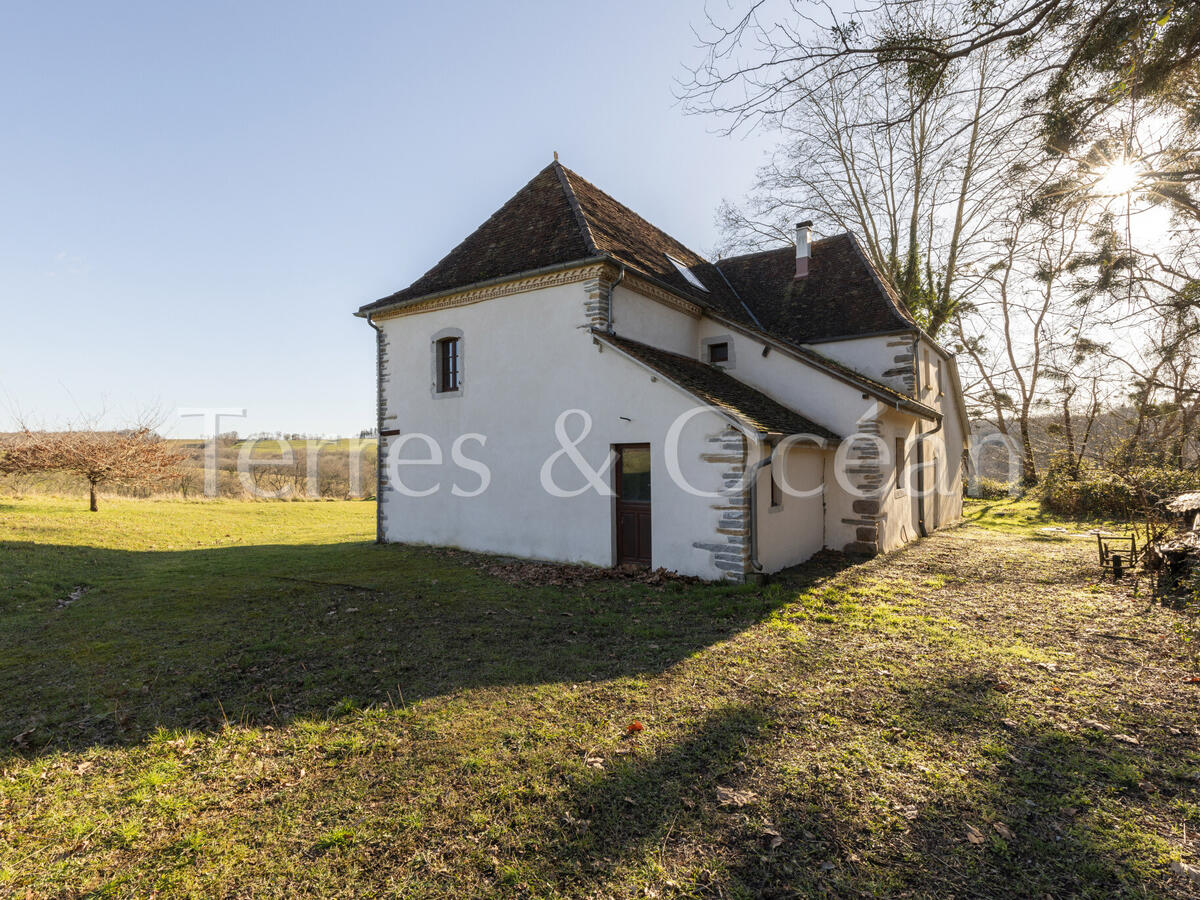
pixel 219 699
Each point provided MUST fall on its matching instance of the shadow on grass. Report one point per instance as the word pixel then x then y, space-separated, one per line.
pixel 1039 811
pixel 1049 807
pixel 265 634
pixel 634 807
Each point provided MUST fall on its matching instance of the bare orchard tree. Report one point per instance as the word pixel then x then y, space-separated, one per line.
pixel 134 457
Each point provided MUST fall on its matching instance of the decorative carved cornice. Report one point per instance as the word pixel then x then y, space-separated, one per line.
pixel 648 289
pixel 504 289
pixel 605 273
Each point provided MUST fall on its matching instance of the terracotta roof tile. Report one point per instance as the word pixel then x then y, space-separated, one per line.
pixel 842 296
pixel 559 218
pixel 536 228
pixel 624 235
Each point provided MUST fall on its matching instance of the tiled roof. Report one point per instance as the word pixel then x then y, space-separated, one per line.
pixel 1189 502
pixel 717 387
pixel 619 232
pixel 878 388
pixel 842 295
pixel 559 218
pixel 537 228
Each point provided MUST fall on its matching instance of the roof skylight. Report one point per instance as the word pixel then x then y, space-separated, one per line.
pixel 687 273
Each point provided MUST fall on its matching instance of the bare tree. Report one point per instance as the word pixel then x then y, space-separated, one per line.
pixel 1025 318
pixel 134 457
pixel 1081 66
pixel 925 195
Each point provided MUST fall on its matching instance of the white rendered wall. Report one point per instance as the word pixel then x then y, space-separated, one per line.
pixel 900 522
pixel 641 319
pixel 870 355
pixel 825 400
pixel 525 360
pixel 944 506
pixel 795 530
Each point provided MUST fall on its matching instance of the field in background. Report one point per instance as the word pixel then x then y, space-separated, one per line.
pixel 228 698
pixel 303 469
pixel 275 445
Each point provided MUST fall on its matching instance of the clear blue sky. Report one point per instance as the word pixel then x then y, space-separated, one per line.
pixel 197 196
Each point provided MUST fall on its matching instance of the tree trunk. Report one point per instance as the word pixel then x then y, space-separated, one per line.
pixel 1069 431
pixel 1029 474
pixel 92 492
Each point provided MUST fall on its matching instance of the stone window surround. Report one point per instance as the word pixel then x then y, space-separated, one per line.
pixel 433 364
pixel 705 343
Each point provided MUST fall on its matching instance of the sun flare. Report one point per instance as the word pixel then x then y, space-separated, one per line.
pixel 1118 177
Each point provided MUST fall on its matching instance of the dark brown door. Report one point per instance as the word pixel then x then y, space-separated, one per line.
pixel 633 504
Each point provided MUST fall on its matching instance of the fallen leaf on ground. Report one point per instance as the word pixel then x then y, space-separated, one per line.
pixel 974 835
pixel 1181 868
pixel 1127 739
pixel 730 797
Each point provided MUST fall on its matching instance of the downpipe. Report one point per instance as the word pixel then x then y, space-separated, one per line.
pixel 753 511
pixel 922 436
pixel 378 330
pixel 608 307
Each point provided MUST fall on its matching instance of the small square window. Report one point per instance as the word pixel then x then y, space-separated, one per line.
pixel 718 353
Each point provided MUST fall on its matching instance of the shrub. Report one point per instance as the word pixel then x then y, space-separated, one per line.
pixel 1088 490
pixel 988 489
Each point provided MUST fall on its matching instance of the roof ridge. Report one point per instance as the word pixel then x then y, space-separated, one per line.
pixel 828 237
pixel 633 212
pixel 585 227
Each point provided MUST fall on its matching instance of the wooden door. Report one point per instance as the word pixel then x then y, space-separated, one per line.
pixel 633 504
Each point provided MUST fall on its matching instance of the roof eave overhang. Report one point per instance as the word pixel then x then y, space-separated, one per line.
pixel 381 306
pixel 890 332
pixel 736 421
pixel 912 406
pixel 797 352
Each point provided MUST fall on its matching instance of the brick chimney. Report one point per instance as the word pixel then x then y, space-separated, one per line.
pixel 803 247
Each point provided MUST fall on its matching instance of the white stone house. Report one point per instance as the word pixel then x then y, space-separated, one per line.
pixel 570 383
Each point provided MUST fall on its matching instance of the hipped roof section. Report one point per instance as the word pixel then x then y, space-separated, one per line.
pixel 560 218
